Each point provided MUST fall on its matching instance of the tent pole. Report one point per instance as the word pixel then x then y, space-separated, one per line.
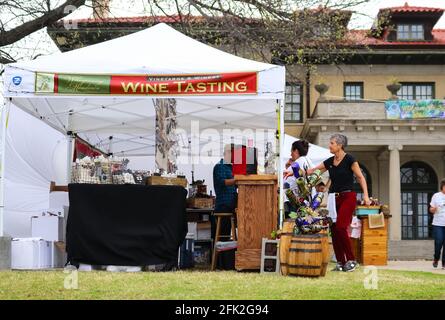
pixel 110 145
pixel 4 115
pixel 280 168
pixel 69 156
pixel 70 148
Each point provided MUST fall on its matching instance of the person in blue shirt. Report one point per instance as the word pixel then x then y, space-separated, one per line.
pixel 225 190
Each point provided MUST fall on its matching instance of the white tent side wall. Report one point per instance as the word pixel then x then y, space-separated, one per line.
pixel 34 156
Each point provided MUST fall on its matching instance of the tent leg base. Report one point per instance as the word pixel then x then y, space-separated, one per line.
pixel 5 253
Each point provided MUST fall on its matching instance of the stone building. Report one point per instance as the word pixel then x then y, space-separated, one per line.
pixel 403 160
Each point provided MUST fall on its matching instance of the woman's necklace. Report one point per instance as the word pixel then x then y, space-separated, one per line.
pixel 339 159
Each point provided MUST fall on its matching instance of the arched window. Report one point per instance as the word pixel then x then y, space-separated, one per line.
pixel 357 188
pixel 419 183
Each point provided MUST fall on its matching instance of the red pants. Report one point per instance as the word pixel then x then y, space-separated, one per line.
pixel 345 203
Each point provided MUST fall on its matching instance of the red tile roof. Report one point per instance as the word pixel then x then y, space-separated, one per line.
pixel 354 37
pixel 408 8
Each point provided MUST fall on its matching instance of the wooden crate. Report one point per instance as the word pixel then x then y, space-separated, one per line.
pixel 380 232
pixel 201 203
pixel 376 259
pixel 166 181
pixel 374 244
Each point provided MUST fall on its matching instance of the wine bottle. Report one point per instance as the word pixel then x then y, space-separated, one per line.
pixel 302 187
pixel 316 201
pixel 298 172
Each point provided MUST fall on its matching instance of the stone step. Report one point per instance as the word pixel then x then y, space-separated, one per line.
pixel 411 250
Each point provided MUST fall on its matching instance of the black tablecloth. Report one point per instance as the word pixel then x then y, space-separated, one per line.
pixel 127 225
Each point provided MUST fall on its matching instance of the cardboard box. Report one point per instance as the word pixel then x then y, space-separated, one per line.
pixel 201 203
pixel 202 254
pixel 166 181
pixel 48 227
pixel 204 231
pixel 58 199
pixel 31 254
pixel 60 256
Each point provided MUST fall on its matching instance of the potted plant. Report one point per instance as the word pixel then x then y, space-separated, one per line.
pixel 394 87
pixel 321 88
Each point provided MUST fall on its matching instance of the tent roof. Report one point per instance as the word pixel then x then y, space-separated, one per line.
pixel 130 119
pixel 156 50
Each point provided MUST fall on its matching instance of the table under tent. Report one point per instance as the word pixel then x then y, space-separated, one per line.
pixel 110 94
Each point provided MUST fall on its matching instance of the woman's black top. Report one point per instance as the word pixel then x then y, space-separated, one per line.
pixel 342 176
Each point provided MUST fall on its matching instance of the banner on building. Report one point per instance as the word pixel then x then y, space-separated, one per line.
pixel 409 109
pixel 156 85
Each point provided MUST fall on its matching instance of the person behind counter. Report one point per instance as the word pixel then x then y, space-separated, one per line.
pixel 225 190
pixel 342 200
pixel 438 210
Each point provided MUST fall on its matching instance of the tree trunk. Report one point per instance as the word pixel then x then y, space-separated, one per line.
pixel 166 139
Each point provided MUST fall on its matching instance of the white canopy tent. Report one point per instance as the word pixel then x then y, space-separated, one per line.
pixel 111 89
pixel 316 153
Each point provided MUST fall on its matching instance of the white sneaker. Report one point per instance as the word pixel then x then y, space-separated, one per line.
pixel 350 266
pixel 85 267
pixel 123 269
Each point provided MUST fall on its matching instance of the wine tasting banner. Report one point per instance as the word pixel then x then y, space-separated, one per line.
pixel 160 85
pixel 409 109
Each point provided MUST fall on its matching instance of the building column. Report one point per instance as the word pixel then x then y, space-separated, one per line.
pixel 383 178
pixel 395 192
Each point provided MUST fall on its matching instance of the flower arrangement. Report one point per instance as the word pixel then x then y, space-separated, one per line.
pixel 309 217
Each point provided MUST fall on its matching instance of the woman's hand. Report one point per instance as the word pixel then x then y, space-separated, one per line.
pixel 310 171
pixel 289 163
pixel 287 174
pixel 367 201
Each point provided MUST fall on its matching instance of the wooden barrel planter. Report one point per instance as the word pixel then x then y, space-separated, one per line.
pixel 306 255
pixel 286 236
pixel 325 251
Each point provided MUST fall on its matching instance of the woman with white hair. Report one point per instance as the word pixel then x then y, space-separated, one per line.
pixel 342 200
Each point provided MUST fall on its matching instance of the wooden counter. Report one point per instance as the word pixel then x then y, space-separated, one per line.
pixel 257 217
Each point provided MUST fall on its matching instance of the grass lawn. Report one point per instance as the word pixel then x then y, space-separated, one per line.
pixel 219 285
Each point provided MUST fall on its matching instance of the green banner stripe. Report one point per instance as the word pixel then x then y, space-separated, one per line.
pixel 84 84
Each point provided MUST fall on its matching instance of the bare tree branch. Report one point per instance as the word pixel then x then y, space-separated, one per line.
pixel 50 16
pixel 5 57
